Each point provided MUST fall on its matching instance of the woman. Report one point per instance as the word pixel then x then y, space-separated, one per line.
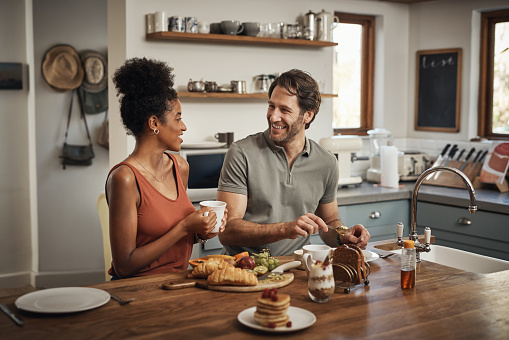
pixel 153 224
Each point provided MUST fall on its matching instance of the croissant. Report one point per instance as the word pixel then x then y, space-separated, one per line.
pixel 232 276
pixel 204 269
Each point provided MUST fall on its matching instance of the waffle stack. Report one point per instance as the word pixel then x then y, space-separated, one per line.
pixel 271 309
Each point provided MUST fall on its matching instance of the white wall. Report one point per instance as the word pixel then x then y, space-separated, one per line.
pixel 61 243
pixel 15 227
pixel 450 24
pixel 223 63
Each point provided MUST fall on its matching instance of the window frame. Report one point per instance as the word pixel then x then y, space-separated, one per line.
pixel 367 71
pixel 485 111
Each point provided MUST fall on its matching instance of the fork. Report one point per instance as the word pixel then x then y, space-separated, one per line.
pixel 120 300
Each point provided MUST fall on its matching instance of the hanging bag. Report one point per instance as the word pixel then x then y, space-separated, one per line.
pixel 77 154
pixel 104 135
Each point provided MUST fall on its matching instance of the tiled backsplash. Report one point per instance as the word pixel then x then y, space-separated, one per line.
pixel 432 147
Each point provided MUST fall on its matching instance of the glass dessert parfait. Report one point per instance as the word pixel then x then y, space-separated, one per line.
pixel 321 281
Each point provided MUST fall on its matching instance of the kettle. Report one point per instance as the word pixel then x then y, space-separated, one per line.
pixel 195 86
pixel 324 24
pixel 263 81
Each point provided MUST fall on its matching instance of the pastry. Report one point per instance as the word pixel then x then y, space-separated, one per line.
pixel 232 276
pixel 204 269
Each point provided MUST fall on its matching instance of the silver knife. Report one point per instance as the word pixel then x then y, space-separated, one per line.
pixel 464 165
pixel 281 269
pixel 480 160
pixel 461 154
pixel 11 315
pixel 439 159
pixel 448 159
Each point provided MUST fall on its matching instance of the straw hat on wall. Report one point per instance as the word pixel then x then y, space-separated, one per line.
pixel 62 68
pixel 96 71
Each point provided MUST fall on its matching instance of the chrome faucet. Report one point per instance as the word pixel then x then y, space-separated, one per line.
pixel 419 247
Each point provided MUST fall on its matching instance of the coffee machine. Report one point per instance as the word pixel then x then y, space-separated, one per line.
pixel 344 148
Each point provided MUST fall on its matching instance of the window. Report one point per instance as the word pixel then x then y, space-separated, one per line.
pixel 494 76
pixel 353 74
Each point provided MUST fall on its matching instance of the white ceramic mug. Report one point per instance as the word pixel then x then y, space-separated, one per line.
pixel 191 24
pixel 203 27
pixel 177 24
pixel 149 22
pixel 160 22
pixel 313 253
pixel 218 207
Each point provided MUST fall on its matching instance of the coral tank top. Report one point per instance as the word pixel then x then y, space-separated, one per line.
pixel 157 215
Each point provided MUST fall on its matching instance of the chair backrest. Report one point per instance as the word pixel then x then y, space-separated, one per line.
pixel 104 217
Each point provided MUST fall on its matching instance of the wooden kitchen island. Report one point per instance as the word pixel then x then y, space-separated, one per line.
pixel 446 304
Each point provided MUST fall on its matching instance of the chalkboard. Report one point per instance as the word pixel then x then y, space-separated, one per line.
pixel 438 90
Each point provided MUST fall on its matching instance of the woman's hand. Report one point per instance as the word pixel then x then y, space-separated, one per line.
pixel 198 223
pixel 221 227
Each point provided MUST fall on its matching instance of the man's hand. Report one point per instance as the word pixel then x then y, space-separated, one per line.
pixel 358 235
pixel 305 225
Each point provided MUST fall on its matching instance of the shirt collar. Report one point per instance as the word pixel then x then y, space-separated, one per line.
pixel 276 148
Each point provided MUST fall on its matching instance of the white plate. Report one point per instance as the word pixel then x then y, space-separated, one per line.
pixel 299 317
pixel 202 145
pixel 369 256
pixel 62 300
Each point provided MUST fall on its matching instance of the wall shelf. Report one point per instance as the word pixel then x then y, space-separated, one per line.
pixel 236 39
pixel 231 95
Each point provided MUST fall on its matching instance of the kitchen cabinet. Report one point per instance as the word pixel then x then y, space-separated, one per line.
pixel 380 218
pixel 485 233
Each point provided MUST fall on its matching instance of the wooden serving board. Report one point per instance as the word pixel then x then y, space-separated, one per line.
pixel 202 283
pixel 288 278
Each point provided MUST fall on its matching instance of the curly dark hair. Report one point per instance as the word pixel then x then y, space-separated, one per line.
pixel 144 86
pixel 302 85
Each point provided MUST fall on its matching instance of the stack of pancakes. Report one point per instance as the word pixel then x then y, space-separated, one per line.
pixel 271 312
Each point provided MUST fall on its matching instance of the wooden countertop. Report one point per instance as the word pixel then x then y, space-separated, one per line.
pixel 446 304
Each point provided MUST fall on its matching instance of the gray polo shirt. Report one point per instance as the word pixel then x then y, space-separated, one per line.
pixel 256 167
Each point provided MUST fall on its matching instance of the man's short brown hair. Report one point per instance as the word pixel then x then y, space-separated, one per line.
pixel 302 85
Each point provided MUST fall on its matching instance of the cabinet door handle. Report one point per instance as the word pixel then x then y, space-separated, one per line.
pixel 375 214
pixel 464 221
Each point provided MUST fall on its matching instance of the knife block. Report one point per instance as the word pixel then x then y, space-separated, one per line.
pixel 504 187
pixel 448 179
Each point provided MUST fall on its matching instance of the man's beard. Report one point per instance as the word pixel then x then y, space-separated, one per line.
pixel 293 130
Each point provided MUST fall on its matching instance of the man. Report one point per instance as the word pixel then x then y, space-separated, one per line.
pixel 281 175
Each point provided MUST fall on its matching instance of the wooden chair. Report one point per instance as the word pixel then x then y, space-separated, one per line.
pixel 103 211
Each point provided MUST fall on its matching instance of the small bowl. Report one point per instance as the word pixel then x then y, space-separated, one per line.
pixel 224 89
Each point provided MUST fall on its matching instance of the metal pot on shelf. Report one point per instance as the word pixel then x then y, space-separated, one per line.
pixel 309 26
pixel 262 82
pixel 195 86
pixel 238 86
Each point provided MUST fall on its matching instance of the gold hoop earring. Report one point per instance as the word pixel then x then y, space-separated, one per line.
pixel 156 131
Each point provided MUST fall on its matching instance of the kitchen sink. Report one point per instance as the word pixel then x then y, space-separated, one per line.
pixel 463 260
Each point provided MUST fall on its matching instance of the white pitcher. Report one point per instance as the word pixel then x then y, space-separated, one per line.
pixel 324 23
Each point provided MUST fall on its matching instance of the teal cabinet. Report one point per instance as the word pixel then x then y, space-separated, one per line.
pixel 380 218
pixel 485 233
